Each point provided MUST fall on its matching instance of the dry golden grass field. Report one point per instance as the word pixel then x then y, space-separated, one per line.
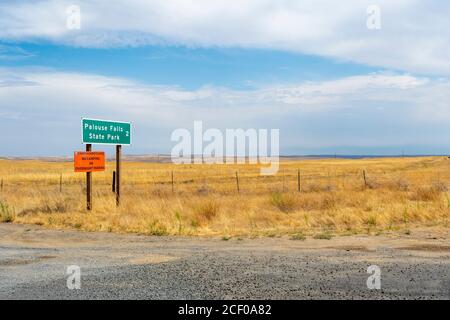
pixel 398 194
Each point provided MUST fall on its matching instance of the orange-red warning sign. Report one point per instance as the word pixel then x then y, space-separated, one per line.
pixel 89 161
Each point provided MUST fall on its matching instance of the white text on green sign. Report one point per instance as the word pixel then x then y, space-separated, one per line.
pixel 106 132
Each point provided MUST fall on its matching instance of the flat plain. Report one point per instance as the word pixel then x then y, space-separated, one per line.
pixel 319 198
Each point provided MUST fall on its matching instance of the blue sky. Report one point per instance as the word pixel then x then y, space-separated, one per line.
pixel 311 69
pixel 188 68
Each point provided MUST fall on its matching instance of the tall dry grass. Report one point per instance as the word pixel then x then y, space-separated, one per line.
pixel 399 193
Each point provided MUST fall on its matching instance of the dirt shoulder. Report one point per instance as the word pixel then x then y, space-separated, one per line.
pixel 33 261
pixel 428 240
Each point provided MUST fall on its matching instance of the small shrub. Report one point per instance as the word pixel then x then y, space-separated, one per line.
pixel 328 202
pixel 372 184
pixel 306 218
pixel 178 217
pixel 284 202
pixel 157 229
pixel 207 209
pixel 371 221
pixel 439 186
pixel 405 217
pixel 309 202
pixel 6 213
pixel 313 187
pixel 195 224
pixel 76 225
pixel 50 220
pixel 323 236
pixel 399 184
pixel 59 206
pixel 160 191
pixel 426 194
pixel 203 190
pixel 298 236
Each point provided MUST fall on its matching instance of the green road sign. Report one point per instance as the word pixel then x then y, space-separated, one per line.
pixel 105 132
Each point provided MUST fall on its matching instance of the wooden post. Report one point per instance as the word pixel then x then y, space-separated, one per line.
pixel 114 182
pixel 1 187
pixel 365 180
pixel 118 167
pixel 298 181
pixel 172 183
pixel 237 182
pixel 336 182
pixel 60 182
pixel 89 183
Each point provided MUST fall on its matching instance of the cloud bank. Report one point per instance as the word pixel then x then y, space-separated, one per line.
pixel 383 109
pixel 414 35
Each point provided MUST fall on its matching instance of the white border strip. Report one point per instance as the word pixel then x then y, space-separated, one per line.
pixel 110 121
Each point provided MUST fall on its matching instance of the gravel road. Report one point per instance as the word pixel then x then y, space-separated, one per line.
pixel 34 261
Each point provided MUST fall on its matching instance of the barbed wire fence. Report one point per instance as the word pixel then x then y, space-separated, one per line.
pixel 239 181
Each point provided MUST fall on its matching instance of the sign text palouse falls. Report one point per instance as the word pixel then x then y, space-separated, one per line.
pixel 106 132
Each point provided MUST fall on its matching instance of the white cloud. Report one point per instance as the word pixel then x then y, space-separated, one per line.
pixel 374 109
pixel 76 92
pixel 329 91
pixel 414 34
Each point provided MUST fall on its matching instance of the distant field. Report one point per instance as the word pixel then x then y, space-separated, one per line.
pixel 334 198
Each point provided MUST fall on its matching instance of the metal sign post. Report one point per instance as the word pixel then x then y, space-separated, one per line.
pixel 118 169
pixel 89 183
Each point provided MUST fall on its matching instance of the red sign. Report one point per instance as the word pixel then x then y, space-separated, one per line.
pixel 89 161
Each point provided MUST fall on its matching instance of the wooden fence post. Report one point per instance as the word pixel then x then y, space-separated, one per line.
pixel 172 183
pixel 237 182
pixel 298 181
pixel 365 180
pixel 60 182
pixel 1 187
